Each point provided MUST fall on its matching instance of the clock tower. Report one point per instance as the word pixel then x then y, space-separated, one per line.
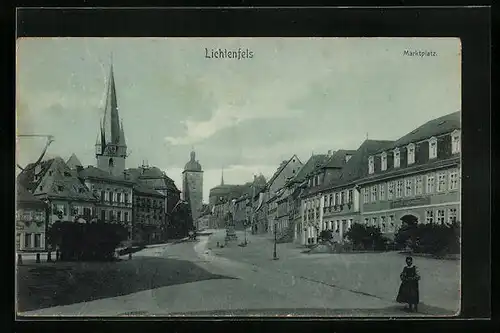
pixel 111 149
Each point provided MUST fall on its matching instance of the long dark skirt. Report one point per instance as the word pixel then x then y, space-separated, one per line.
pixel 408 293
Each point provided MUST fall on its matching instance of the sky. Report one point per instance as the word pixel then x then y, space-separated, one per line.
pixel 294 96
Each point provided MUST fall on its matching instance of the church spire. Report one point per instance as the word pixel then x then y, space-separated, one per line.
pixel 222 177
pixel 111 121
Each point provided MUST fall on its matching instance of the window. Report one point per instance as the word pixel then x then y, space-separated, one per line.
pixel 381 191
pixel 349 224
pixel 431 183
pixel 392 227
pixel 382 224
pixel 408 187
pixel 349 196
pixel 374 221
pixel 432 148
pixel 441 182
pixel 429 216
pixel 455 142
pixel 399 189
pixel 119 216
pixel 396 158
pixel 331 199
pixel 27 240
pixel 454 180
pixel 366 198
pixel 418 185
pixel 110 215
pixel 118 197
pixel 103 195
pixel 383 161
pixel 440 216
pixel 336 199
pixel 342 197
pixel 390 190
pixel 411 153
pixel 452 215
pixel 374 193
pixel 38 240
pixel 103 215
pixel 366 221
pixel 371 165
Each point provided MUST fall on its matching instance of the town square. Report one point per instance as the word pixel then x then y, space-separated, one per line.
pixel 309 177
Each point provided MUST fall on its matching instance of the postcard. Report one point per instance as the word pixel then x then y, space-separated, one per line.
pixel 238 177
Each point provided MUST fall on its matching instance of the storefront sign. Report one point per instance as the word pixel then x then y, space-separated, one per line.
pixel 410 202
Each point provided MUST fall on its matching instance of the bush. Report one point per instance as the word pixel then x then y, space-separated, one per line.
pixel 436 239
pixel 364 237
pixel 325 235
pixel 86 241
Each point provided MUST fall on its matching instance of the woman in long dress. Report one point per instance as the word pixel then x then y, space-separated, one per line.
pixel 408 291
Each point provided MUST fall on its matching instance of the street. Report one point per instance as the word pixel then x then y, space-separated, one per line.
pixel 197 278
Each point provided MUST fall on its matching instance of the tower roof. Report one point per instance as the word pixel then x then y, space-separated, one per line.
pixel 193 164
pixel 111 131
pixel 73 162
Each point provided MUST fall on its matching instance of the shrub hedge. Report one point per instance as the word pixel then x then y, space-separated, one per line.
pixel 431 238
pixel 86 241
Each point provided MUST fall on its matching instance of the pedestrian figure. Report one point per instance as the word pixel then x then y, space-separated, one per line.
pixel 408 291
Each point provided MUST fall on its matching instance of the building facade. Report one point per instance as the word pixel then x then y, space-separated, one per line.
pixel 114 194
pixel 110 147
pixel 31 221
pixel 148 211
pixel 417 179
pixel 53 182
pixel 192 186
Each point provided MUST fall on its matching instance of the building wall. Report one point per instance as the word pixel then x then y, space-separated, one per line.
pixel 68 209
pixel 103 162
pixel 192 185
pixel 115 202
pixel 386 210
pixel 148 217
pixel 289 171
pixel 30 229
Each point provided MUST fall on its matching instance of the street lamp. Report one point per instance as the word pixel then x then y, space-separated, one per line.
pixel 245 226
pixel 275 257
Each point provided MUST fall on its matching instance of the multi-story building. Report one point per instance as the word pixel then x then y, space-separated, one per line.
pixel 340 194
pixel 148 212
pixel 53 182
pixel 416 179
pixel 114 193
pixel 31 221
pixel 156 179
pixel 192 186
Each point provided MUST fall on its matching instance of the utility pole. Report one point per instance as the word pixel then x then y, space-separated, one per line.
pixel 275 256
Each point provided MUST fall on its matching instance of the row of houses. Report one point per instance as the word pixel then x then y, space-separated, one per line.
pixel 382 183
pixel 141 199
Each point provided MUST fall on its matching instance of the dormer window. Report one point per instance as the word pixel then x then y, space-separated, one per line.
pixel 371 165
pixel 383 161
pixel 455 142
pixel 396 158
pixel 432 148
pixel 411 153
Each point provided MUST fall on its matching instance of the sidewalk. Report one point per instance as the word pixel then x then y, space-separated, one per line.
pixel 375 274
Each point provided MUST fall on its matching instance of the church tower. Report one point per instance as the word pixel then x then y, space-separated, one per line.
pixel 192 186
pixel 110 147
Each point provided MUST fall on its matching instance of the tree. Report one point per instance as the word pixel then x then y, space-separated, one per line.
pixel 86 241
pixel 364 237
pixel 431 238
pixel 181 222
pixel 326 235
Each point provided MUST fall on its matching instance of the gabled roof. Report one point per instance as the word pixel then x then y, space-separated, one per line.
pixel 24 197
pixel 73 162
pixel 92 172
pixel 357 166
pixel 146 189
pixel 435 127
pixel 142 173
pixel 314 163
pixel 280 169
pixel 337 160
pixel 53 178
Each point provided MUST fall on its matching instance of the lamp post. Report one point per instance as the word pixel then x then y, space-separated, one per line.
pixel 275 257
pixel 245 230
